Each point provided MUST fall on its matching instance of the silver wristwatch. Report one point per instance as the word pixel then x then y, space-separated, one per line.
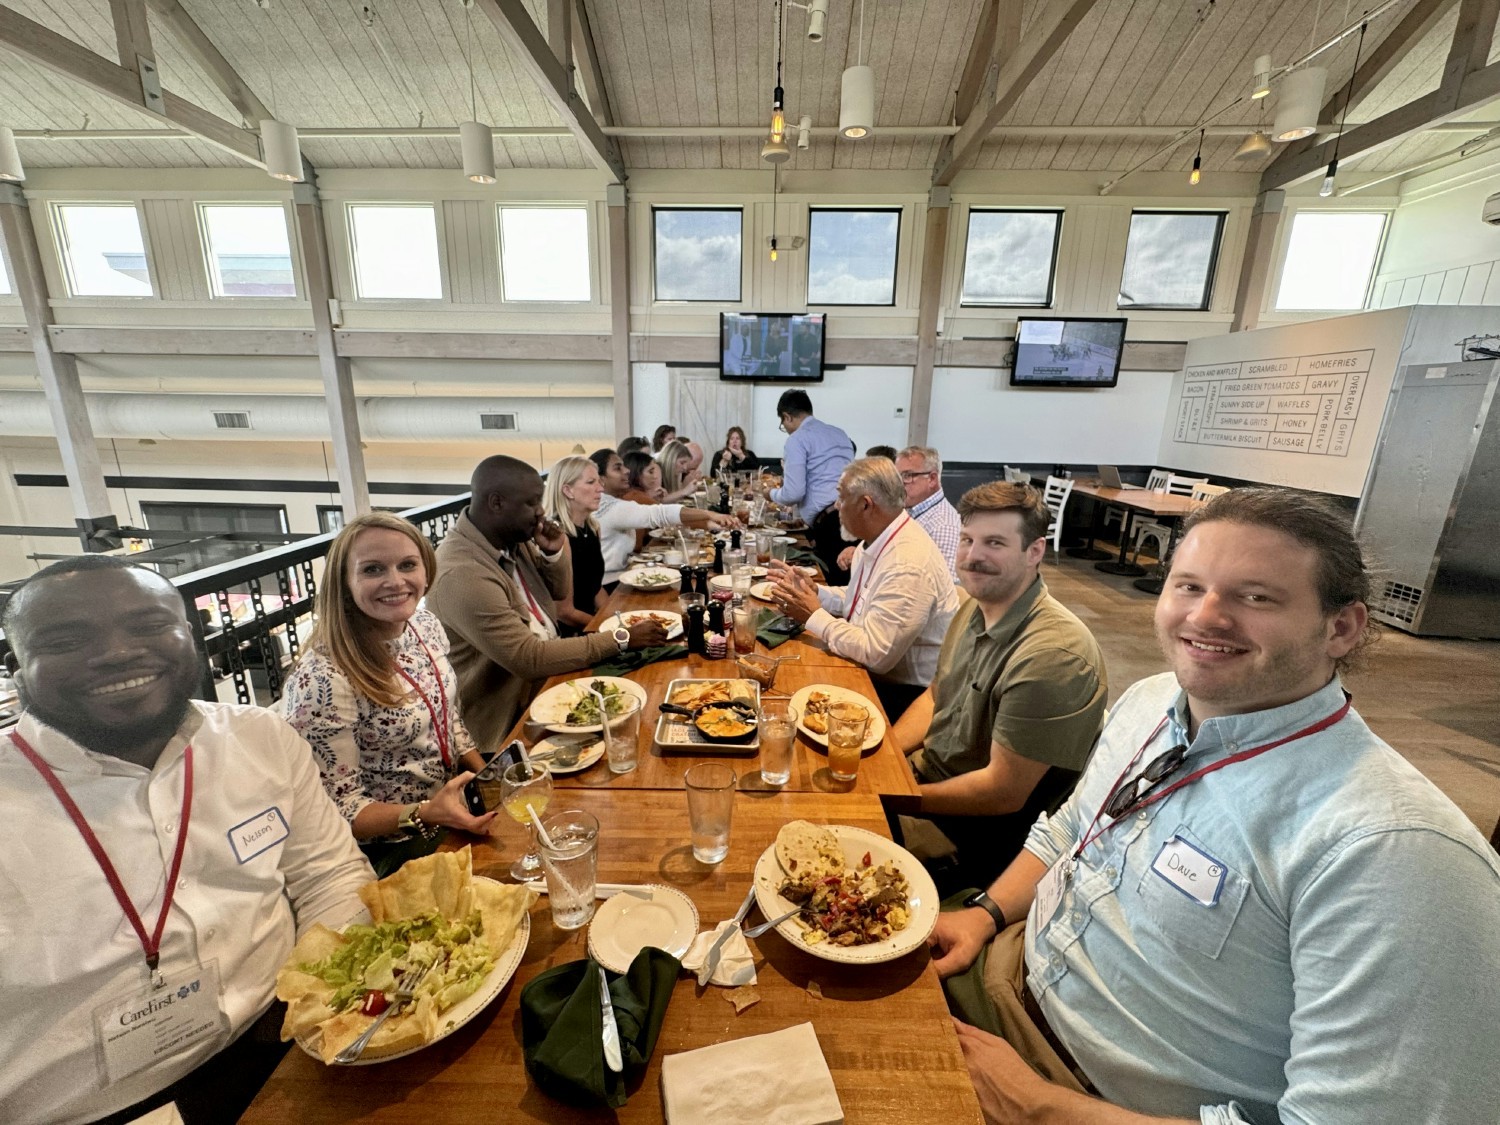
pixel 622 638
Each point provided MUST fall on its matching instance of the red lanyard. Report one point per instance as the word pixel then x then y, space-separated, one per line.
pixel 152 944
pixel 1244 755
pixel 442 734
pixel 866 566
pixel 536 610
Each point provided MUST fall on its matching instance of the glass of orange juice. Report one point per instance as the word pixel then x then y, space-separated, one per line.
pixel 526 785
pixel 847 724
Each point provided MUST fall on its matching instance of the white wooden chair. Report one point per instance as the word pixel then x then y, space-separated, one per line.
pixel 1198 489
pixel 1055 496
pixel 1014 475
pixel 1156 482
pixel 1206 491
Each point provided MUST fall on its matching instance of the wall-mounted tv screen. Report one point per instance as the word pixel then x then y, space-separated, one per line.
pixel 1071 352
pixel 769 347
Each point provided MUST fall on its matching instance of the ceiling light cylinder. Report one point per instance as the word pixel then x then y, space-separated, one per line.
pixel 857 103
pixel 1298 102
pixel 478 145
pixel 1262 85
pixel 1253 147
pixel 10 156
pixel 817 20
pixel 804 131
pixel 281 150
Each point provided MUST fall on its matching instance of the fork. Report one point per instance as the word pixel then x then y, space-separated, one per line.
pixel 756 931
pixel 404 993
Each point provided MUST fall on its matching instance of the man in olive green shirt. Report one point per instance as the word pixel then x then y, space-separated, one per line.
pixel 1019 695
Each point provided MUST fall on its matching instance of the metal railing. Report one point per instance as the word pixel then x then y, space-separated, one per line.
pixel 242 633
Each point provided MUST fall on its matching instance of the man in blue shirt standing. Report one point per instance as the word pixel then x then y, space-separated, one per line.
pixel 1252 909
pixel 815 456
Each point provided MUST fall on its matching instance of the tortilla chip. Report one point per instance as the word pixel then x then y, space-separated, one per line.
pixel 815 990
pixel 304 1013
pixel 742 998
pixel 501 906
pixel 439 882
pixel 318 943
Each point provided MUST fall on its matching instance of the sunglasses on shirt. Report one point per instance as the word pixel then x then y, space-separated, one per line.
pixel 1141 786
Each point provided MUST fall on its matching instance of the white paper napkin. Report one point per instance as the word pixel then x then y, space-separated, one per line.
pixel 775 1079
pixel 736 965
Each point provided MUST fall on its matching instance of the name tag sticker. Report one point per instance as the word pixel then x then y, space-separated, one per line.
pixel 1049 892
pixel 1190 870
pixel 261 832
pixel 153 1025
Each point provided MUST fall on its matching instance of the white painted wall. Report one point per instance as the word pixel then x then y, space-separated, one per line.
pixel 1438 251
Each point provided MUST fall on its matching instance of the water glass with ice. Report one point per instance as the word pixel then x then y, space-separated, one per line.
pixel 570 861
pixel 710 799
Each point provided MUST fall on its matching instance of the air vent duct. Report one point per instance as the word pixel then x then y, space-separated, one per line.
pixel 498 422
pixel 232 419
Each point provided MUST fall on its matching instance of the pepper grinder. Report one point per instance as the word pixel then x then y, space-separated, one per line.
pixel 715 616
pixel 687 579
pixel 695 637
pixel 700 580
pixel 718 556
pixel 734 540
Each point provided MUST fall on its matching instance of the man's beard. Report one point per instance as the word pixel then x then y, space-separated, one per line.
pixel 849 536
pixel 115 739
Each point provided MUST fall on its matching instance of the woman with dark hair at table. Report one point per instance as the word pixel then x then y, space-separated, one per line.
pixel 375 696
pixel 664 433
pixel 621 517
pixel 734 457
pixel 570 499
pixel 645 479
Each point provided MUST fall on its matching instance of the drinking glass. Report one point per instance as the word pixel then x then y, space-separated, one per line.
pixel 571 864
pixel 710 798
pixel 847 723
pixel 744 629
pixel 781 545
pixel 733 557
pixel 687 601
pixel 741 578
pixel 526 785
pixel 778 731
pixel 624 735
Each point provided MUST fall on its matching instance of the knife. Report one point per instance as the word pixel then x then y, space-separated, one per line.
pixel 716 950
pixel 612 1057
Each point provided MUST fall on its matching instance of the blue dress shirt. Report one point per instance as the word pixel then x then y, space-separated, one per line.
pixel 815 455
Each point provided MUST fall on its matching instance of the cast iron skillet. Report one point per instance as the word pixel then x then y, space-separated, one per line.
pixel 744 710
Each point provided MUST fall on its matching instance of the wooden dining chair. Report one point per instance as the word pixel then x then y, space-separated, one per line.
pixel 1055 496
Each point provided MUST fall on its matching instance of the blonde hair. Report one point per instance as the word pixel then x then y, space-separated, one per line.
pixel 343 632
pixel 567 472
pixel 671 453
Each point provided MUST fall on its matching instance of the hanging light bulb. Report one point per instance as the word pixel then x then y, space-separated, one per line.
pixel 773 248
pixel 1197 172
pixel 11 168
pixel 1262 85
pixel 1326 188
pixel 1333 170
pixel 778 116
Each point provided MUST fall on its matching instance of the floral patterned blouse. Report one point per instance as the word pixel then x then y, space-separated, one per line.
pixel 369 753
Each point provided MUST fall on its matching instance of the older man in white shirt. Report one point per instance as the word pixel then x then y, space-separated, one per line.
pixel 160 857
pixel 892 616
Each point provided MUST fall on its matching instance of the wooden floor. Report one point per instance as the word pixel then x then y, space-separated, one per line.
pixel 1435 701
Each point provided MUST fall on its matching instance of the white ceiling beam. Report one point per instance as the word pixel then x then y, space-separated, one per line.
pixel 560 32
pixel 587 53
pixel 214 64
pixel 529 48
pixel 1466 85
pixel 133 44
pixel 62 55
pixel 1050 28
pixel 977 65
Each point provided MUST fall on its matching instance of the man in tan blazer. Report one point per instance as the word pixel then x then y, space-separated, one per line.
pixel 498 572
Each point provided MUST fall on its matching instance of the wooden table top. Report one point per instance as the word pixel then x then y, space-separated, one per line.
pixel 884 1029
pixel 1139 499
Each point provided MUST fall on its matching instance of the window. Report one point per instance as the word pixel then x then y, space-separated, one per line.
pixel 544 253
pixel 1329 260
pixel 102 249
pixel 249 253
pixel 395 250
pixel 851 256
pixel 1170 258
pixel 697 254
pixel 1011 258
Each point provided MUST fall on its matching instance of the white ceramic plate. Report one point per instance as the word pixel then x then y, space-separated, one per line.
pixel 631 616
pixel 624 925
pixel 762 591
pixel 921 897
pixel 651 578
pixel 591 754
pixel 552 706
pixel 876 730
pixel 462 1012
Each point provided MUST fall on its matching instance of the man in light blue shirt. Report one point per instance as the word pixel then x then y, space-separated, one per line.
pixel 1251 909
pixel 814 457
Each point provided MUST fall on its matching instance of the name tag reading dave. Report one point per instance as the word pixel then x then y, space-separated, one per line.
pixel 1190 870
pixel 264 830
pixel 157 1024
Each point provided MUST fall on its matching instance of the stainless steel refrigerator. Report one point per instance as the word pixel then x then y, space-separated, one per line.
pixel 1429 515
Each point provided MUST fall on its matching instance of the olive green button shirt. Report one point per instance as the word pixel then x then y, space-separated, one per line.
pixel 1035 683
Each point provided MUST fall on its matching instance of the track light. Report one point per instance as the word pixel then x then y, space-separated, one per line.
pixel 817 20
pixel 804 131
pixel 1262 85
pixel 1298 104
pixel 10 157
pixel 478 145
pixel 281 150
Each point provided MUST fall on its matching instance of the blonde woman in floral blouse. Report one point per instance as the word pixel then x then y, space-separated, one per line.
pixel 375 695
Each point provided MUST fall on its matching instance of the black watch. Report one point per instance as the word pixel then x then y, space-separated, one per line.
pixel 982 900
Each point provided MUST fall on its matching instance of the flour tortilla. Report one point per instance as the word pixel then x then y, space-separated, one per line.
pixel 803 848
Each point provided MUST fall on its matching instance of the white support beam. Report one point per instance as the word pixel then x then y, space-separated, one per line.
pixel 58 371
pixel 1255 266
pixel 980 60
pixel 589 69
pixel 1049 29
pixel 214 64
pixel 338 382
pixel 929 301
pixel 560 33
pixel 619 307
pixel 530 51
pixel 133 42
pixel 62 55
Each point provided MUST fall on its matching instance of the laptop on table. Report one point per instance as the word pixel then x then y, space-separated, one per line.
pixel 1109 477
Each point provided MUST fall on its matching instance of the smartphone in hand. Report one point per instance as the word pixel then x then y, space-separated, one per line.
pixel 494 766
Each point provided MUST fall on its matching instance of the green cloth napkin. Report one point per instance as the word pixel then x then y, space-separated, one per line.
pixel 774 628
pixel 634 658
pixel 562 1026
pixel 804 558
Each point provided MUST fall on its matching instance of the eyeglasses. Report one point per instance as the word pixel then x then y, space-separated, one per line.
pixel 909 477
pixel 1161 767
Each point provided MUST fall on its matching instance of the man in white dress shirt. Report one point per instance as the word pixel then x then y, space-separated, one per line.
pixel 893 614
pixel 223 843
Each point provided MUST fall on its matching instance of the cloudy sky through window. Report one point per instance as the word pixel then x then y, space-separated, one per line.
pixel 851 257
pixel 1009 257
pixel 697 255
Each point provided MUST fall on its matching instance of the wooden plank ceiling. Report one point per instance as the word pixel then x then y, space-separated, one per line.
pixel 378 64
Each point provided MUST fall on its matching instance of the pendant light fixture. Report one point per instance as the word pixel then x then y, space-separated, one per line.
pixel 11 169
pixel 1333 165
pixel 1298 101
pixel 475 139
pixel 280 147
pixel 775 150
pixel 1197 173
pixel 857 93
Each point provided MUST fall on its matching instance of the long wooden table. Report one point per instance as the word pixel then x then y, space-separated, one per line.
pixel 1162 505
pixel 884 1029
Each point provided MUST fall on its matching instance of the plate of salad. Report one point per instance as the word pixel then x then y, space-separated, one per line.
pixel 570 707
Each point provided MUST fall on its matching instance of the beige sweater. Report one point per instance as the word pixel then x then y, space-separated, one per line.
pixel 499 660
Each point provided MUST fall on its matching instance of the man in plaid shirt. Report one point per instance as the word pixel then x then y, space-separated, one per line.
pixel 921 472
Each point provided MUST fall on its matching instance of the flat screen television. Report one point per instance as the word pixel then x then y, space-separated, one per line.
pixel 771 347
pixel 1067 352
